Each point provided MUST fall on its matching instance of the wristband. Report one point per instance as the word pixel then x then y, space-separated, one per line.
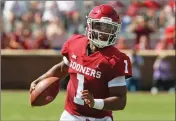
pixel 98 104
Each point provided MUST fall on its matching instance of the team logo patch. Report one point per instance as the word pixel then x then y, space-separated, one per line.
pixel 74 56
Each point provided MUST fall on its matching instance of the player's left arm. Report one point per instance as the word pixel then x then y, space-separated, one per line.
pixel 117 99
pixel 117 87
pixel 117 91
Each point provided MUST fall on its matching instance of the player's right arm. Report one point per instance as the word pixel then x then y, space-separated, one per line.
pixel 59 70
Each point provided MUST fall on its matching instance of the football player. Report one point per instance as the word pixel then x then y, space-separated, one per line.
pixel 97 69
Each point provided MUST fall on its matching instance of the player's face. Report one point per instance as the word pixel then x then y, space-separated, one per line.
pixel 102 30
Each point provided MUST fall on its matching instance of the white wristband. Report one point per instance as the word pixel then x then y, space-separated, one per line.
pixel 98 104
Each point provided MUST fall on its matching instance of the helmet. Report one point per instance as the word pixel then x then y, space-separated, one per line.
pixel 103 26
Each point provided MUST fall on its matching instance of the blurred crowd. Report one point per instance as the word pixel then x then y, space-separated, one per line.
pixel 146 24
pixel 163 73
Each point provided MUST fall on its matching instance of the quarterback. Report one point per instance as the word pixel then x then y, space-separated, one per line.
pixel 97 69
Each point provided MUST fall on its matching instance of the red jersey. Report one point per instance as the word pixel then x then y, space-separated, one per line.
pixel 91 73
pixel 128 65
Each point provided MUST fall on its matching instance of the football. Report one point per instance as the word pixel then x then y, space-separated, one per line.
pixel 45 91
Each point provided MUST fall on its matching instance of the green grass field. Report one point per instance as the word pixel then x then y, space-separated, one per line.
pixel 140 106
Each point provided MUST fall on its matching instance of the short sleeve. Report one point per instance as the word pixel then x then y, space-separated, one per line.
pixel 65 47
pixel 118 75
pixel 118 69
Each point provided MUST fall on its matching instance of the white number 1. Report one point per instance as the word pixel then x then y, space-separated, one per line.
pixel 126 66
pixel 77 98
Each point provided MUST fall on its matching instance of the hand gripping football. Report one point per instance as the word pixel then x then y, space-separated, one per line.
pixel 45 91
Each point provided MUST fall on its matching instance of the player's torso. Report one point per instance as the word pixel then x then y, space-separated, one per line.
pixel 86 76
pixel 92 70
pixel 87 73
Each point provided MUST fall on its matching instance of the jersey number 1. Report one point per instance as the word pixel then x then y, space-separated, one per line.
pixel 126 66
pixel 77 98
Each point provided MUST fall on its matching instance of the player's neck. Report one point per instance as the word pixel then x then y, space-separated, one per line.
pixel 91 49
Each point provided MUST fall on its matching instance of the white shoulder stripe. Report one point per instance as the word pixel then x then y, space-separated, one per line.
pixel 66 61
pixel 118 81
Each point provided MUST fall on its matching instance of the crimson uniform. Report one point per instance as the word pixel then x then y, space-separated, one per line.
pixel 94 73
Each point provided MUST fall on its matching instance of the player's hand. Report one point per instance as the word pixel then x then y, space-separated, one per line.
pixel 33 84
pixel 88 98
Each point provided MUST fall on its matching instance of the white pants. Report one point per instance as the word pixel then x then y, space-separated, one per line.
pixel 68 117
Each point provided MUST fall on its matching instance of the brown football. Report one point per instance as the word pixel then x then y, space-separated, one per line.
pixel 45 91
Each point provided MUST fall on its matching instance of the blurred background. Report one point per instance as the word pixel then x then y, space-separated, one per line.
pixel 32 35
